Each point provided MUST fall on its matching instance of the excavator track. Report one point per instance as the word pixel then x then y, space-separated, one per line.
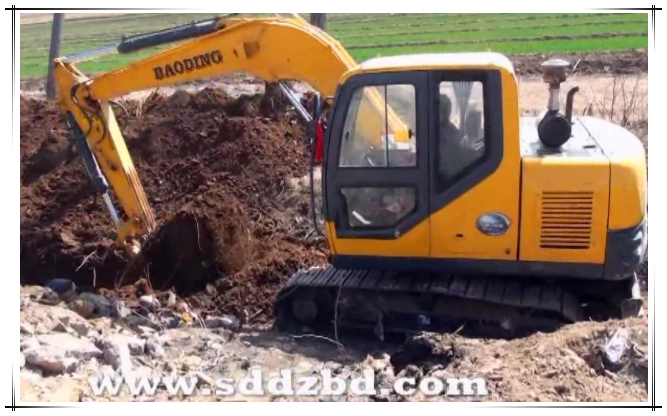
pixel 387 301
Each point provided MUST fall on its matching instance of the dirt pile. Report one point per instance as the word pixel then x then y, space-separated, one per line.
pixel 214 170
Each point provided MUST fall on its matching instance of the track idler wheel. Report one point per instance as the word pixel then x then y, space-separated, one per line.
pixel 305 309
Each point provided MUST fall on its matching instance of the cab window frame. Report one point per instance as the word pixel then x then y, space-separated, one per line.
pixel 417 175
pixel 443 192
pixel 420 143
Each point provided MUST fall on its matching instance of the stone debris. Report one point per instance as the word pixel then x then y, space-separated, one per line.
pixel 117 354
pixel 60 350
pixel 225 321
pixel 80 348
pixel 51 359
pixel 65 288
pixel 155 349
pixel 49 297
pixel 149 302
pixel 83 307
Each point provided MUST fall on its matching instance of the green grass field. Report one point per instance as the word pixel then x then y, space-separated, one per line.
pixel 367 35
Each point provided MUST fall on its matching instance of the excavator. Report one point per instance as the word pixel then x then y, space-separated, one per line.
pixel 441 204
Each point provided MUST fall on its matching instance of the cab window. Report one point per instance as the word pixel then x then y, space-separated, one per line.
pixel 379 128
pixel 461 137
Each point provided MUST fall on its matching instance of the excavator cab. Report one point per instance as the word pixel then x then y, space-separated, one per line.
pixel 382 192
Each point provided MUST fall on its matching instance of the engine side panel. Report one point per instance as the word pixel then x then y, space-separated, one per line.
pixel 564 209
pixel 629 182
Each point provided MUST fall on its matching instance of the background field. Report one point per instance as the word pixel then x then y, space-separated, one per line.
pixel 364 35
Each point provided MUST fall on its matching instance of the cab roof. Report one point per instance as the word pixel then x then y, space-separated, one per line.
pixel 428 61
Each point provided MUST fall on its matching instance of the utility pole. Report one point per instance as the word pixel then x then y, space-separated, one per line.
pixel 54 52
pixel 319 20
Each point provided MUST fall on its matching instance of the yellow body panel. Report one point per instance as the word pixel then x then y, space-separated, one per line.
pixel 628 193
pixel 628 174
pixel 556 197
pixel 413 243
pixel 454 232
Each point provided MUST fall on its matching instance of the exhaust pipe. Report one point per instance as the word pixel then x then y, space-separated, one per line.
pixel 554 129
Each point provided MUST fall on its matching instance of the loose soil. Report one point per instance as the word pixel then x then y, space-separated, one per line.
pixel 618 62
pixel 216 174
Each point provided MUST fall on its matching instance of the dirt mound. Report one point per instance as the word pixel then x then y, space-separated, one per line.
pixel 213 169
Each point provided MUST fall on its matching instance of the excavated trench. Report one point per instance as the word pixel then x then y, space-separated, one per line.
pixel 215 171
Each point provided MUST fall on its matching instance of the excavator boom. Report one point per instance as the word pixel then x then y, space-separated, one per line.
pixel 272 49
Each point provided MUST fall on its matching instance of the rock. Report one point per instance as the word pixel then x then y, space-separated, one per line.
pixel 28 343
pixel 182 307
pixel 169 367
pixel 121 311
pixel 51 359
pixel 136 345
pixel 411 371
pixel 82 307
pixel 61 327
pixel 169 322
pixel 138 320
pixel 144 331
pixel 49 297
pixel 149 302
pixel 423 347
pixel 80 348
pixel 26 328
pixel 103 305
pixel 615 348
pixel 25 302
pixel 82 328
pixel 117 354
pixel 171 300
pixel 225 321
pixel 210 290
pixel 33 375
pixel 65 288
pixel 377 364
pixel 21 360
pixel 191 362
pixel 212 345
pixel 385 381
pixel 155 349
pixel 57 316
pixel 303 367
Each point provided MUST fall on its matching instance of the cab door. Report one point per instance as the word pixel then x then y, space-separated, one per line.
pixel 475 165
pixel 376 173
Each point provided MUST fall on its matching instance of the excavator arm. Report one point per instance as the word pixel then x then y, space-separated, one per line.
pixel 269 48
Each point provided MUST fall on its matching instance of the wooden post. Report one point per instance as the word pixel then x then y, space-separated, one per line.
pixel 319 20
pixel 54 52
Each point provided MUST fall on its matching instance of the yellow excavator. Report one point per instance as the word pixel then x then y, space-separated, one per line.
pixel 441 204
